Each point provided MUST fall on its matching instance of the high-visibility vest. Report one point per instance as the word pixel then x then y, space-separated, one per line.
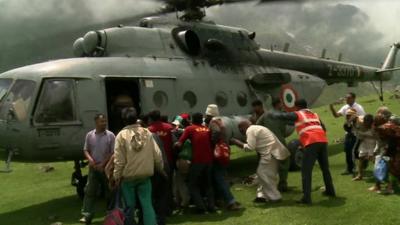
pixel 308 126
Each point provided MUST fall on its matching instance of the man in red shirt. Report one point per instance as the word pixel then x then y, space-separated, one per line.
pixel 199 178
pixel 164 131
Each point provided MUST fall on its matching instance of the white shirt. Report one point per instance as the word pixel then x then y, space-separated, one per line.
pixel 359 109
pixel 262 140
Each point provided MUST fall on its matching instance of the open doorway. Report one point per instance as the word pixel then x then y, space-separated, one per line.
pixel 121 93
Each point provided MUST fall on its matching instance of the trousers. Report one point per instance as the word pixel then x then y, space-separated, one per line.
pixel 221 186
pixel 96 181
pixel 283 171
pixel 199 181
pixel 141 189
pixel 312 153
pixel 268 178
pixel 349 142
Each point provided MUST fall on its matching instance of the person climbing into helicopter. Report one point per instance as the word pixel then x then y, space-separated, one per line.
pixel 136 157
pixel 98 149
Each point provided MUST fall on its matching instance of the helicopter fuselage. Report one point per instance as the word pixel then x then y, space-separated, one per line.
pixel 46 109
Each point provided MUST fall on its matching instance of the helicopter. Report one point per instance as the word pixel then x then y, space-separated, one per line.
pixel 175 66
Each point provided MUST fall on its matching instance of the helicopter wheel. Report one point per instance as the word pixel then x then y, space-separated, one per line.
pixel 78 180
pixel 296 155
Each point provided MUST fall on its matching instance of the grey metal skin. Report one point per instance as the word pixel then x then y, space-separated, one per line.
pixel 218 64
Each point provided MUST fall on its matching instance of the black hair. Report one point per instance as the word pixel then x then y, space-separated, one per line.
pixel 257 103
pixel 129 115
pixel 276 101
pixel 164 118
pixel 197 118
pixel 99 116
pixel 155 115
pixel 369 119
pixel 353 95
pixel 301 103
pixel 144 119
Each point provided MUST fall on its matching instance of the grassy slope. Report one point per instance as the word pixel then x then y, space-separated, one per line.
pixel 29 196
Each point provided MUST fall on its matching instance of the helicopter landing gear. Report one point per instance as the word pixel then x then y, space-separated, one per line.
pixel 78 180
pixel 7 168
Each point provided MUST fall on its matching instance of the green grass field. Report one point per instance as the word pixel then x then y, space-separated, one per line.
pixel 29 196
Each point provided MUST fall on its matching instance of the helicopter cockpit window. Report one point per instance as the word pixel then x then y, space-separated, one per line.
pixel 57 102
pixel 16 103
pixel 4 85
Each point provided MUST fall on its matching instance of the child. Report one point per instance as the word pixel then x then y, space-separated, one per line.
pixel 363 129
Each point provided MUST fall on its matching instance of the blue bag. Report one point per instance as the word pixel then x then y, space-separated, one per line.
pixel 381 169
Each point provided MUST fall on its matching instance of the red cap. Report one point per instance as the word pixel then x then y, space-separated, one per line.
pixel 185 116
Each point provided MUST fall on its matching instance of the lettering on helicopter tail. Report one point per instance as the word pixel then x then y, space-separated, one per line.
pixel 288 97
pixel 343 71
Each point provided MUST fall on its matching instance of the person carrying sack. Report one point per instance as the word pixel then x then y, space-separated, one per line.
pixel 221 156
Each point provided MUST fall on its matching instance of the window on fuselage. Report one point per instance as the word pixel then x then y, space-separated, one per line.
pixel 57 102
pixel 15 104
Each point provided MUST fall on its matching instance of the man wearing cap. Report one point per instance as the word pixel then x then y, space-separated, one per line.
pixel 218 136
pixel 349 140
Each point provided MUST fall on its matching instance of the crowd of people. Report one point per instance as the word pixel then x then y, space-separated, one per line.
pixel 370 139
pixel 156 167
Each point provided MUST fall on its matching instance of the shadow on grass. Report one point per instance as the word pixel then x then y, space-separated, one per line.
pixel 192 218
pixel 329 203
pixel 65 210
pixel 332 202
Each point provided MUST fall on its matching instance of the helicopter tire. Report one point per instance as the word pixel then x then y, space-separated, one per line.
pixel 78 180
pixel 296 155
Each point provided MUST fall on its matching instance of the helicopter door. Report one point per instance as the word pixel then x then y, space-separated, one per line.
pixel 120 93
pixel 159 93
pixel 91 101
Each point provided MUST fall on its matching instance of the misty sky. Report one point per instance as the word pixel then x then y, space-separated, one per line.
pixel 362 30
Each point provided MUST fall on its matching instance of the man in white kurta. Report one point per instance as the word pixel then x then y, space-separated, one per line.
pixel 262 140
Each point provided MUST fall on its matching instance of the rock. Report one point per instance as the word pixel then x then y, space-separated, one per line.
pixel 52 217
pixel 46 168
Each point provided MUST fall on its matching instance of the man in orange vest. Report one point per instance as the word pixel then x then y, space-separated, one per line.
pixel 313 139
